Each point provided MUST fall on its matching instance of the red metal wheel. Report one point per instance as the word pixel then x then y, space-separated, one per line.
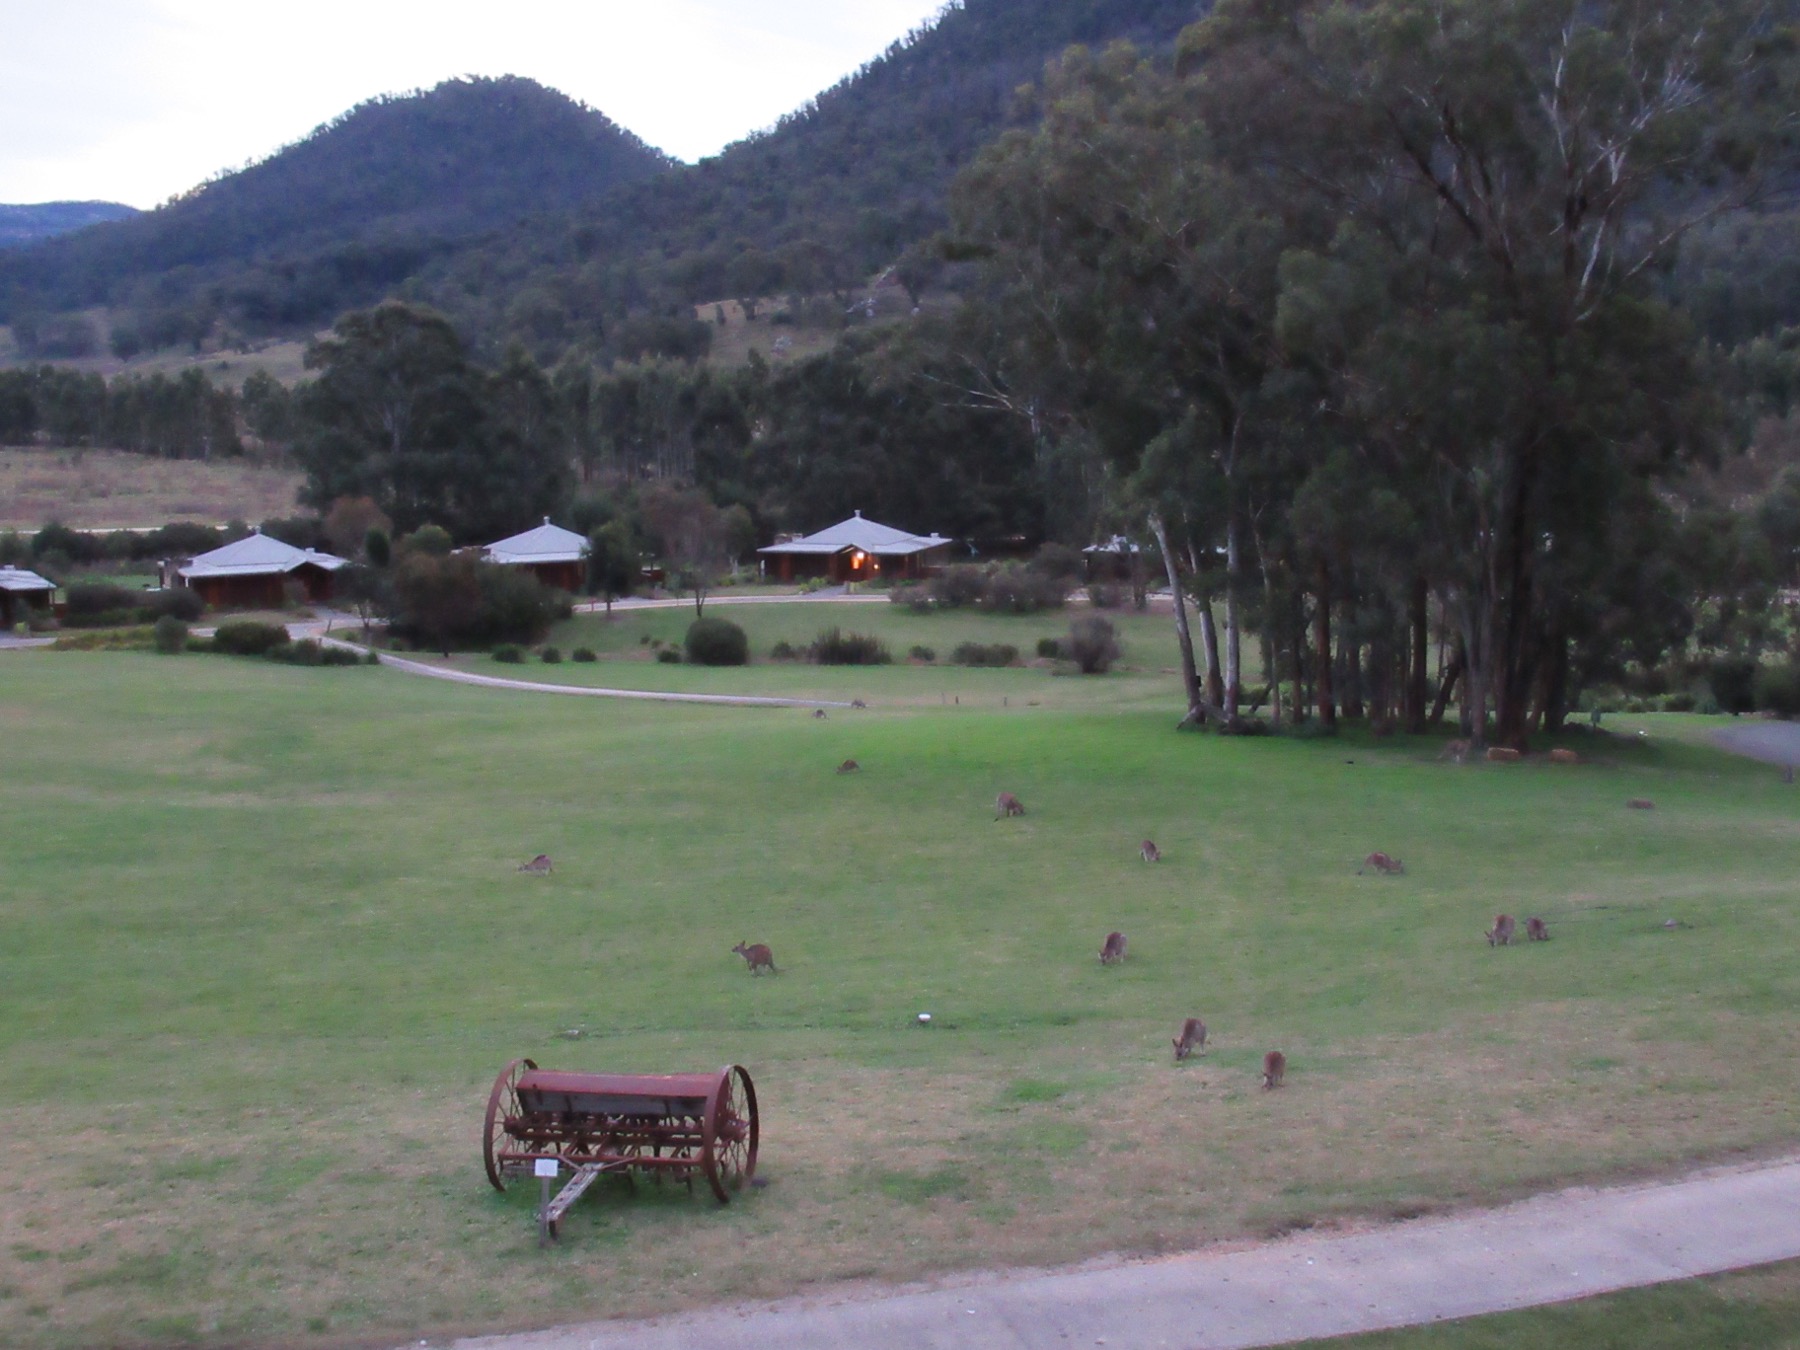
pixel 730 1133
pixel 503 1104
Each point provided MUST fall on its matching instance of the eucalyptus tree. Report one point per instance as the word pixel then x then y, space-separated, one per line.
pixel 1506 177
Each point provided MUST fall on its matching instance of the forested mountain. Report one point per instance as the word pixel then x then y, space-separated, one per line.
pixel 28 224
pixel 396 190
pixel 339 217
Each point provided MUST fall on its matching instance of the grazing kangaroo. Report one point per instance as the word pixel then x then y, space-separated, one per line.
pixel 1382 863
pixel 1641 804
pixel 1456 750
pixel 857 703
pixel 758 956
pixel 1274 1069
pixel 1113 949
pixel 849 766
pixel 538 866
pixel 819 713
pixel 1536 930
pixel 1564 757
pixel 1501 754
pixel 1192 1038
pixel 1008 805
pixel 1501 934
pixel 1149 852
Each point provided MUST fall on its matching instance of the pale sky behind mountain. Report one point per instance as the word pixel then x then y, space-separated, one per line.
pixel 137 100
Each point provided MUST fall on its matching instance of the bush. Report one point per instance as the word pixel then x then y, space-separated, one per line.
pixel 1093 644
pixel 836 648
pixel 669 656
pixel 550 656
pixel 1732 680
pixel 1777 689
pixel 1105 595
pixel 716 642
pixel 955 587
pixel 508 654
pixel 309 652
pixel 1049 648
pixel 249 637
pixel 785 651
pixel 925 654
pixel 1679 703
pixel 1012 589
pixel 914 595
pixel 1059 562
pixel 170 635
pixel 984 654
pixel 93 604
pixel 180 603
pixel 584 655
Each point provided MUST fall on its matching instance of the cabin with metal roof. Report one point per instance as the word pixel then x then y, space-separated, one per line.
pixel 857 549
pixel 555 556
pixel 255 572
pixel 23 593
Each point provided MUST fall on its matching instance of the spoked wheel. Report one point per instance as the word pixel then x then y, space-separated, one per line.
pixel 730 1133
pixel 503 1104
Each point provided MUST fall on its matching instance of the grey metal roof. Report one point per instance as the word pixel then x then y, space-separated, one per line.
pixel 869 536
pixel 546 544
pixel 18 580
pixel 259 555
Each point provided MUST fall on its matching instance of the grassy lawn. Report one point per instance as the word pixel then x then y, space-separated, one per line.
pixel 1746 1310
pixel 263 948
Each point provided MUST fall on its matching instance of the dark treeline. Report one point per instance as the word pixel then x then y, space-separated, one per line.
pixel 173 417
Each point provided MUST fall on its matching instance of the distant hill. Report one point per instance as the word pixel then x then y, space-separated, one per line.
pixel 28 224
pixel 527 216
pixel 347 212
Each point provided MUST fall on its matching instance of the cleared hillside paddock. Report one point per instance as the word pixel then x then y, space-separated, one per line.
pixel 110 489
pixel 264 946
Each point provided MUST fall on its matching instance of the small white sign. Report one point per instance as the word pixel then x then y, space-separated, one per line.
pixel 546 1167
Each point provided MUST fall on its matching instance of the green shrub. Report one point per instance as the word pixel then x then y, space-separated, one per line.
pixel 1777 689
pixel 170 635
pixel 1105 595
pixel 1012 589
pixel 914 595
pixel 584 655
pixel 1050 649
pixel 1732 680
pixel 249 637
pixel 925 654
pixel 955 587
pixel 1093 644
pixel 1679 703
pixel 833 647
pixel 550 656
pixel 984 654
pixel 668 656
pixel 785 651
pixel 716 642
pixel 509 654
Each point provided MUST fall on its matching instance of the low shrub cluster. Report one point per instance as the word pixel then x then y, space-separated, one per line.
pixel 716 642
pixel 169 635
pixel 984 654
pixel 584 655
pixel 96 604
pixel 1093 644
pixel 834 647
pixel 551 656
pixel 925 654
pixel 509 654
pixel 1776 689
pixel 668 656
pixel 455 601
pixel 252 637
pixel 786 651
pixel 1050 649
pixel 1002 588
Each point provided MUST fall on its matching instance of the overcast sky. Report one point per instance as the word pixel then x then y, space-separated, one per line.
pixel 136 100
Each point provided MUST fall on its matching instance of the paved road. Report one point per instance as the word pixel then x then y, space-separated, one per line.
pixel 1545 1250
pixel 1771 742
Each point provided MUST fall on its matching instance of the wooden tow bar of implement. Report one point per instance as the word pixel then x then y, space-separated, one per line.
pixel 665 1124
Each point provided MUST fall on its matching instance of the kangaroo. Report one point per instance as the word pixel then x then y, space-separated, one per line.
pixel 1501 934
pixel 1383 864
pixel 1192 1038
pixel 538 866
pixel 1560 756
pixel 1456 750
pixel 1641 804
pixel 1274 1069
pixel 819 713
pixel 1149 852
pixel 849 766
pixel 1113 950
pixel 1501 754
pixel 857 703
pixel 1008 805
pixel 1536 930
pixel 758 956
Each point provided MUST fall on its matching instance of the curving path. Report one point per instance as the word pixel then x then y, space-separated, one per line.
pixel 1567 1245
